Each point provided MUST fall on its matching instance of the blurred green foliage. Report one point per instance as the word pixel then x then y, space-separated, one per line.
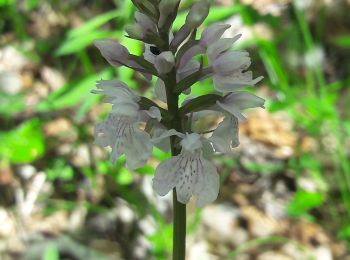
pixel 303 202
pixel 306 93
pixel 23 144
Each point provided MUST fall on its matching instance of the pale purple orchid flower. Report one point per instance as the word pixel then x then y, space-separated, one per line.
pixel 189 172
pixel 120 130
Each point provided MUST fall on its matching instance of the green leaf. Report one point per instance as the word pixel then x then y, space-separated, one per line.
pixel 303 201
pixel 93 24
pixel 77 44
pixel 124 177
pixel 162 241
pixel 199 103
pixel 4 3
pixel 160 155
pixel 60 170
pixel 347 127
pixel 24 144
pixel 73 94
pixel 51 253
pixel 215 14
pixel 344 233
pixel 146 170
pixel 342 41
pixel 11 104
pixel 264 168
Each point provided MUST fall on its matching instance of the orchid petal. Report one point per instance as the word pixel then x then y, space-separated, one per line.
pixel 145 22
pixel 191 142
pixel 225 135
pixel 138 149
pixel 113 52
pixel 220 46
pixel 187 169
pixel 154 112
pixel 115 90
pixel 212 33
pixel 232 109
pixel 167 134
pixel 160 91
pixel 229 62
pixel 237 101
pixel 190 53
pixel 235 81
pixel 191 67
pixel 166 176
pixel 244 100
pixel 207 187
pixel 126 108
pixel 166 8
pixel 197 14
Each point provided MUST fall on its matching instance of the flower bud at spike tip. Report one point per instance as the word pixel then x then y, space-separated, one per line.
pixel 213 32
pixel 199 11
pixel 165 62
pixel 145 23
pixel 166 9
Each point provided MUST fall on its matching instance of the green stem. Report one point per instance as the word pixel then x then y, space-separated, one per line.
pixel 179 233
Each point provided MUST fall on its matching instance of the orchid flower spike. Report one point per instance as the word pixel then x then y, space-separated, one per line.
pixel 136 124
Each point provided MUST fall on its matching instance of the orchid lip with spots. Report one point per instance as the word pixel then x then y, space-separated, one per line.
pixel 136 124
pixel 189 172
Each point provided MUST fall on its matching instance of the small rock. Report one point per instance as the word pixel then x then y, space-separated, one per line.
pixel 200 250
pixel 26 171
pixel 273 130
pixel 41 89
pixel 221 225
pixel 109 248
pixel 82 155
pixel 163 204
pixel 259 224
pixel 308 144
pixel 60 127
pixel 274 206
pixel 11 59
pixel 53 224
pixel 310 234
pixel 296 251
pixel 10 82
pixel 27 79
pixel 307 184
pixel 8 224
pixel 323 253
pixel 77 217
pixel 148 225
pixel 52 77
pixel 340 250
pixel 46 20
